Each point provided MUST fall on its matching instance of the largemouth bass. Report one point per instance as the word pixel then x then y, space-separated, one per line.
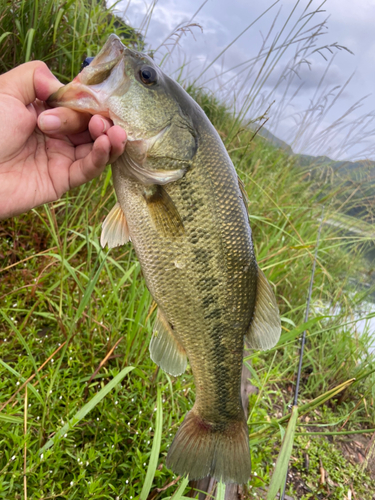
pixel 182 205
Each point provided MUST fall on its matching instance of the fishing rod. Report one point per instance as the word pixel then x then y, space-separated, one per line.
pixel 303 338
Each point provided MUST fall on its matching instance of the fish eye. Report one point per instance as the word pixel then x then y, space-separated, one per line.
pixel 148 75
pixel 86 62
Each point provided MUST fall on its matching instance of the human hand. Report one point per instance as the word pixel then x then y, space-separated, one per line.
pixel 44 152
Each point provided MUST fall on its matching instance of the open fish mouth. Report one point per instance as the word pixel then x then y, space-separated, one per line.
pixel 96 83
pixel 77 96
pixel 105 76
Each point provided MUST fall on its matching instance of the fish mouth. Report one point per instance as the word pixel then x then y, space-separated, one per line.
pixel 81 97
pixel 90 89
pixel 77 96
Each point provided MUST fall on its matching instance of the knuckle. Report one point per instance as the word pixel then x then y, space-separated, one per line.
pixel 37 65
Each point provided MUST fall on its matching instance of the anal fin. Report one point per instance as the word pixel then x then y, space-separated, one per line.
pixel 163 211
pixel 265 327
pixel 165 350
pixel 115 231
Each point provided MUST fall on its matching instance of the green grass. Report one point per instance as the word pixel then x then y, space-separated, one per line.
pixel 340 475
pixel 58 286
pixel 71 29
pixel 76 320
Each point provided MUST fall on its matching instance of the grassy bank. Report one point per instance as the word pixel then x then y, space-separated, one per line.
pixel 80 416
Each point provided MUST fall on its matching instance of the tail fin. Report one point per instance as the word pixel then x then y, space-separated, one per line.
pixel 201 449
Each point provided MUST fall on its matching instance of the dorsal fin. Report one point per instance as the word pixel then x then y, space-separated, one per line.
pixel 115 229
pixel 165 350
pixel 265 327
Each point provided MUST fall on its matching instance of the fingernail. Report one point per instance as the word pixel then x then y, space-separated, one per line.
pixel 49 123
pixel 104 126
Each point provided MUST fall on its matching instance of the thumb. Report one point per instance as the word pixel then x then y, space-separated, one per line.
pixel 29 81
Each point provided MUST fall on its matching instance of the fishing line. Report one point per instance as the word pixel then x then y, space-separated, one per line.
pixel 303 338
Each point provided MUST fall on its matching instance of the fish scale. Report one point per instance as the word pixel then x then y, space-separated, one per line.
pixel 181 204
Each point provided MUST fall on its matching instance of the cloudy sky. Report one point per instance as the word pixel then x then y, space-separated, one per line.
pixel 246 75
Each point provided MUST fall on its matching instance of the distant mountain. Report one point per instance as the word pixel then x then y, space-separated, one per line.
pixel 353 181
pixel 346 167
pixel 266 134
pixel 354 170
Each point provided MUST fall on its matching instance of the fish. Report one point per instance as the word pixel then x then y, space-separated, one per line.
pixel 183 207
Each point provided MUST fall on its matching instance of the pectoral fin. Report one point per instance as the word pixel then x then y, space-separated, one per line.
pixel 163 211
pixel 145 160
pixel 115 230
pixel 165 349
pixel 136 170
pixel 265 327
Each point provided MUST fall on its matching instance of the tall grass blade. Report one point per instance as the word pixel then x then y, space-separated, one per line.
pixel 86 408
pixel 234 40
pixel 154 457
pixel 177 495
pixel 26 347
pixel 10 419
pixel 29 38
pixel 337 433
pixel 323 398
pixel 278 476
pixel 57 23
pixel 305 408
pixel 4 35
pixel 20 377
pixel 89 290
pixel 220 491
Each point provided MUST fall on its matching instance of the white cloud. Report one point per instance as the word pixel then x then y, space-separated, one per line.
pixel 350 24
